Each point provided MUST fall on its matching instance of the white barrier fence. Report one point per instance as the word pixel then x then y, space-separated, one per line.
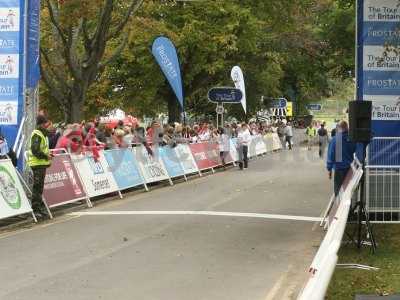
pixel 73 178
pixel 324 263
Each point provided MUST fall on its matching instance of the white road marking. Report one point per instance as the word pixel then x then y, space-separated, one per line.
pixel 202 213
pixel 282 281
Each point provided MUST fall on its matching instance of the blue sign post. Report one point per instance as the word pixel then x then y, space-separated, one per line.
pixel 378 63
pixel 278 103
pixel 225 95
pixel 314 107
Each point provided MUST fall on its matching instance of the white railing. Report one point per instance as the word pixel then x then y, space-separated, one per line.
pixel 323 265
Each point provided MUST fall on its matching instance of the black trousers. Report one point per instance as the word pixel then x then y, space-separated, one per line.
pixel 39 174
pixel 243 157
pixel 289 141
pixel 338 180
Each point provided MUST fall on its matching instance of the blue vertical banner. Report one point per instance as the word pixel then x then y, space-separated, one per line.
pixel 33 40
pixel 11 66
pixel 378 62
pixel 166 56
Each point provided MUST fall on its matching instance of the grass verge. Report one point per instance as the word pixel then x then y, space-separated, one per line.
pixel 346 283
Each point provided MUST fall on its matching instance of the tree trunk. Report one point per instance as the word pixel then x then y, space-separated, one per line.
pixel 77 101
pixel 174 114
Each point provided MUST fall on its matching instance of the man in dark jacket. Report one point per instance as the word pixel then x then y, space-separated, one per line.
pixel 340 155
pixel 39 159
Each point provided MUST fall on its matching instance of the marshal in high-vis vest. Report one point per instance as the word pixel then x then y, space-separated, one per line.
pixel 39 159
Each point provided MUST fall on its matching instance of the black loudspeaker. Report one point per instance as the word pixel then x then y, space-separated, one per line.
pixel 360 121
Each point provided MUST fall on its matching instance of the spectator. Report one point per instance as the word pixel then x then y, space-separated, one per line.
pixel 288 131
pixel 340 156
pixel 244 138
pixel 223 144
pixel 322 140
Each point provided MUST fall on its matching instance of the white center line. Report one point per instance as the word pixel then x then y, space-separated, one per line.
pixel 201 213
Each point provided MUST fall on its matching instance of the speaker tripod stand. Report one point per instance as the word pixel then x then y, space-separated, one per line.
pixel 362 213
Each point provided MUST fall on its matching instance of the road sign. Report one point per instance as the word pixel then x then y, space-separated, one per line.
pixel 225 95
pixel 314 107
pixel 278 103
pixel 220 110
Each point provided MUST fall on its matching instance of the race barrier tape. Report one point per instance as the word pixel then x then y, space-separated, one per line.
pixel 324 262
pixel 72 177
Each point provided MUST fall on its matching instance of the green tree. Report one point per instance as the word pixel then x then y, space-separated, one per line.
pixel 79 39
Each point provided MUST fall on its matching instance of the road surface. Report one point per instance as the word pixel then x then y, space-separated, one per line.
pixel 115 253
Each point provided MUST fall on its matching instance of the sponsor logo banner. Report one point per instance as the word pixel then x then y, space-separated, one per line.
pixel 388 110
pixel 8 112
pixel 152 168
pixel 171 161
pixel 206 155
pixel 13 200
pixel 9 66
pixel 124 168
pixel 62 183
pixel 9 18
pixel 95 174
pixel 186 158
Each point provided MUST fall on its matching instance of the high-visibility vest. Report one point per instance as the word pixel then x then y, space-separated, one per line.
pixel 311 132
pixel 33 161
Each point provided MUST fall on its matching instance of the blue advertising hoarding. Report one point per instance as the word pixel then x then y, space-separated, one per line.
pixel 378 63
pixel 124 168
pixel 171 161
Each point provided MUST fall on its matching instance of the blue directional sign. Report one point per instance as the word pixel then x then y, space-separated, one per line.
pixel 314 107
pixel 278 103
pixel 225 95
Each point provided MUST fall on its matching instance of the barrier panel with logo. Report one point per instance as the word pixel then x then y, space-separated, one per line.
pixel 171 161
pixel 186 158
pixel 269 143
pixel 206 155
pixel 151 167
pixel 276 142
pixel 62 184
pixel 124 168
pixel 233 152
pixel 257 146
pixel 13 200
pixel 95 174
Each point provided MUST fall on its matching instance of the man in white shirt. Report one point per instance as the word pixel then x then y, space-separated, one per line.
pixel 288 131
pixel 244 139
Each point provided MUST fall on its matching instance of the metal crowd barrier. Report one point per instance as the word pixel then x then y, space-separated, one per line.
pixel 383 180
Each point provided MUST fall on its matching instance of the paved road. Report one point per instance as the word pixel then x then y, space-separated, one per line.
pixel 193 257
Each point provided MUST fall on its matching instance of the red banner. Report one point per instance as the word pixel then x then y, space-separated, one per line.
pixel 62 184
pixel 206 155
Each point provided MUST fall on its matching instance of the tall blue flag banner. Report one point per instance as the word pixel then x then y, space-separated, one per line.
pixel 164 52
pixel 378 63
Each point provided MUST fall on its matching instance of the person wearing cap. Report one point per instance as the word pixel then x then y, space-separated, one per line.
pixel 39 159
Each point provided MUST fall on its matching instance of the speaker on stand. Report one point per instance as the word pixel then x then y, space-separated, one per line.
pixel 360 123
